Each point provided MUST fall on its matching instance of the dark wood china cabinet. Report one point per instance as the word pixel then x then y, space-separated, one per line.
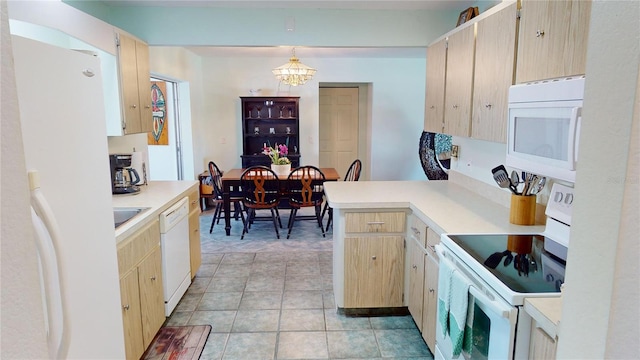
pixel 267 121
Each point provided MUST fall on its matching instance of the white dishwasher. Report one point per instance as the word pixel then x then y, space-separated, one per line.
pixel 176 268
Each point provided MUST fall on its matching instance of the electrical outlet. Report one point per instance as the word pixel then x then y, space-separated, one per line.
pixel 454 151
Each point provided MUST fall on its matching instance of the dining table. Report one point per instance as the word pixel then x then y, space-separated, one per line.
pixel 231 182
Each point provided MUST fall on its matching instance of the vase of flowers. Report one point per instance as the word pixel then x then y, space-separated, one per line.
pixel 280 163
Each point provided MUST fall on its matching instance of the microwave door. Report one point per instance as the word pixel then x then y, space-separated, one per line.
pixel 543 137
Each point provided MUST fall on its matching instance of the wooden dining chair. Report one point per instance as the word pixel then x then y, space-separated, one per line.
pixel 236 199
pixel 353 174
pixel 261 191
pixel 304 189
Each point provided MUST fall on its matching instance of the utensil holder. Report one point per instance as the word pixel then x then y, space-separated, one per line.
pixel 523 209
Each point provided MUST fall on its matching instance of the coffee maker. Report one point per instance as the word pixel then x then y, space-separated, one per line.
pixel 123 177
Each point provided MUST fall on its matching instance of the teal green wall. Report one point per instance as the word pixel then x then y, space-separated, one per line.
pixel 210 26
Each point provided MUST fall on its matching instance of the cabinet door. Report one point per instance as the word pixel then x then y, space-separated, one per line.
pixel 195 250
pixel 151 295
pixel 493 74
pixel 552 40
pixel 541 345
pixel 127 62
pixel 436 70
pixel 459 81
pixel 144 86
pixel 416 281
pixel 130 300
pixel 374 268
pixel 430 310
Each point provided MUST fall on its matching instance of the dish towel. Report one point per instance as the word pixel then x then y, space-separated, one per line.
pixel 459 290
pixel 444 294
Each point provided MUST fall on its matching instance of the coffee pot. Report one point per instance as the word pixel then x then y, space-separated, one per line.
pixel 123 177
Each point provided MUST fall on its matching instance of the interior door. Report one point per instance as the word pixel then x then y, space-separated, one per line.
pixel 338 128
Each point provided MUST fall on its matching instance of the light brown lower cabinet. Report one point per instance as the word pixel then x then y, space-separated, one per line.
pixel 195 248
pixel 141 291
pixel 430 305
pixel 374 271
pixel 416 281
pixel 541 345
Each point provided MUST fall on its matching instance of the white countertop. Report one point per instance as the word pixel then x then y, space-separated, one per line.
pixel 442 205
pixel 157 196
pixel 547 313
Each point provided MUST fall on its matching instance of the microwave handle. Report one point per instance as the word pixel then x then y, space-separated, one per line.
pixel 574 132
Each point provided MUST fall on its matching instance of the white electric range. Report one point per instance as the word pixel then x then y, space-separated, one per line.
pixel 504 270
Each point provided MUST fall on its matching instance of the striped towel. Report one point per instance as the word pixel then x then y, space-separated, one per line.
pixel 459 290
pixel 444 294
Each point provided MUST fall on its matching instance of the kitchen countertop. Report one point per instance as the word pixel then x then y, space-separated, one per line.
pixel 547 313
pixel 157 196
pixel 442 205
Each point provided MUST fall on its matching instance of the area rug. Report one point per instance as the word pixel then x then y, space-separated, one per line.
pixel 178 342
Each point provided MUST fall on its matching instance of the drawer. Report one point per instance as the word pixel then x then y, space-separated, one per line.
pixel 194 199
pixel 432 240
pixel 134 248
pixel 373 222
pixel 418 230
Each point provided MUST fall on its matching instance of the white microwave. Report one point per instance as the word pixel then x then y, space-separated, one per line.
pixel 544 127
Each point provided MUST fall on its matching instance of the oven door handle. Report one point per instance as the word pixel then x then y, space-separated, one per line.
pixel 490 300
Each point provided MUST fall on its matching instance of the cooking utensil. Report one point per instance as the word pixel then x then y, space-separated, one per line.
pixel 515 179
pixel 502 179
pixel 539 186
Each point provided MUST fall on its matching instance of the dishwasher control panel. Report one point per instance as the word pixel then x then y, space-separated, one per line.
pixel 170 217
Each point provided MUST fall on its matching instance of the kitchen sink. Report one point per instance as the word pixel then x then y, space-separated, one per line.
pixel 123 214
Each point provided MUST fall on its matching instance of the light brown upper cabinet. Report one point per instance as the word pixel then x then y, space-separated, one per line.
pixel 494 73
pixel 552 40
pixel 434 104
pixel 135 85
pixel 459 82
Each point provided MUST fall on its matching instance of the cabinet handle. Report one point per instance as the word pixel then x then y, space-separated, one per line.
pixel 415 266
pixel 134 106
pixel 433 248
pixel 431 290
pixel 488 106
pixel 432 107
pixel 539 33
pixel 455 106
pixel 373 257
pixel 415 231
pixel 375 223
pixel 126 307
pixel 147 106
pixel 153 278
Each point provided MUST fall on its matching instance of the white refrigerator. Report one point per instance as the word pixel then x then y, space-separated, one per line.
pixel 63 130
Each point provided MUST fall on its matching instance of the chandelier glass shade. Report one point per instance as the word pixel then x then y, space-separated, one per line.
pixel 294 72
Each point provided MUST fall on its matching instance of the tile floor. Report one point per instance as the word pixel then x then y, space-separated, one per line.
pixel 277 302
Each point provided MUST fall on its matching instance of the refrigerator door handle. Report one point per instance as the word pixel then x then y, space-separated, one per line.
pixel 47 235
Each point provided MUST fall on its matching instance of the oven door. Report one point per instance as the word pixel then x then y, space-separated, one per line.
pixel 494 320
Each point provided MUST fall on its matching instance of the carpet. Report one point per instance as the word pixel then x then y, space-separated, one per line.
pixel 178 342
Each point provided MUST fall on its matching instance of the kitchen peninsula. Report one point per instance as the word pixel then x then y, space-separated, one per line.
pixel 370 235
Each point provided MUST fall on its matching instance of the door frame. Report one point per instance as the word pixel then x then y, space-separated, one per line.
pixel 365 91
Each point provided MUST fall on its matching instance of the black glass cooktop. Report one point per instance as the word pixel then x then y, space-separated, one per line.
pixel 518 261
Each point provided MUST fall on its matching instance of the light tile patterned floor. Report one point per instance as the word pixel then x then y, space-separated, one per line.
pixel 273 299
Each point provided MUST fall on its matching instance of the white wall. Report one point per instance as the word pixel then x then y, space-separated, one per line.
pixel 396 110
pixel 598 282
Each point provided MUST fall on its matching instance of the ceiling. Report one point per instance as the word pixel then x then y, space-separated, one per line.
pixel 302 52
pixel 305 4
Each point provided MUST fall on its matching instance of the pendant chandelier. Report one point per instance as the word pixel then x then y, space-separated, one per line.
pixel 294 72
